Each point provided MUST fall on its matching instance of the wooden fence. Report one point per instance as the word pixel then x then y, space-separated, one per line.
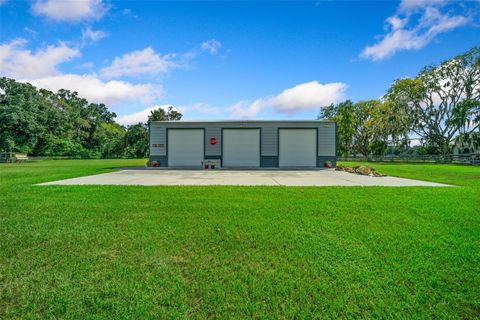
pixel 468 159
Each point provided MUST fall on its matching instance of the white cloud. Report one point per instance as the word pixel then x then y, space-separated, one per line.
pixel 211 46
pixel 415 142
pixel 139 62
pixel 89 35
pixel 18 62
pixel 200 108
pixel 245 109
pixel 396 23
pixel 307 96
pixel 415 25
pixel 41 69
pixel 95 90
pixel 149 62
pixel 69 11
pixel 30 31
pixel 303 97
pixel 411 5
pixel 2 2
pixel 86 65
pixel 140 116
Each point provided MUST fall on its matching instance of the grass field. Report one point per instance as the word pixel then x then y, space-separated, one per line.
pixel 83 252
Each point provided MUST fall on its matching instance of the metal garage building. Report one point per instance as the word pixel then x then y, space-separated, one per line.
pixel 243 144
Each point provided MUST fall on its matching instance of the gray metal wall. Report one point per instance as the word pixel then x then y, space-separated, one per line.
pixel 269 138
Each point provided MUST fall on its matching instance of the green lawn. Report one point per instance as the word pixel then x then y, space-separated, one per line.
pixel 131 252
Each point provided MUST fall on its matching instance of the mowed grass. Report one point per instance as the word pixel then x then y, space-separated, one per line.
pixel 127 252
pixel 460 175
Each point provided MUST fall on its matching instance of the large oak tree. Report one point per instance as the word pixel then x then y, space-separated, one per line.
pixel 441 104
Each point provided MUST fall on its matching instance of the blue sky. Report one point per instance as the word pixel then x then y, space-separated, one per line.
pixel 229 60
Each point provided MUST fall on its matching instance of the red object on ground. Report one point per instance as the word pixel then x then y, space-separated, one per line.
pixel 213 140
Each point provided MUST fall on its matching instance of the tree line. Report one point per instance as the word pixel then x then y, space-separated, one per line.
pixel 440 107
pixel 42 123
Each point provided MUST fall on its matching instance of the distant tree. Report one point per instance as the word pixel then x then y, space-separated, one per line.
pixel 109 137
pixel 368 136
pixel 40 122
pixel 136 141
pixel 357 127
pixel 343 115
pixel 161 115
pixel 393 124
pixel 442 103
pixel 22 113
pixel 468 142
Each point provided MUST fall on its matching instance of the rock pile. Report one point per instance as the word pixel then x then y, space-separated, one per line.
pixel 363 170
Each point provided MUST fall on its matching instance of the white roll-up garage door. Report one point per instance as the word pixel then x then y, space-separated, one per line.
pixel 241 148
pixel 185 147
pixel 297 147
